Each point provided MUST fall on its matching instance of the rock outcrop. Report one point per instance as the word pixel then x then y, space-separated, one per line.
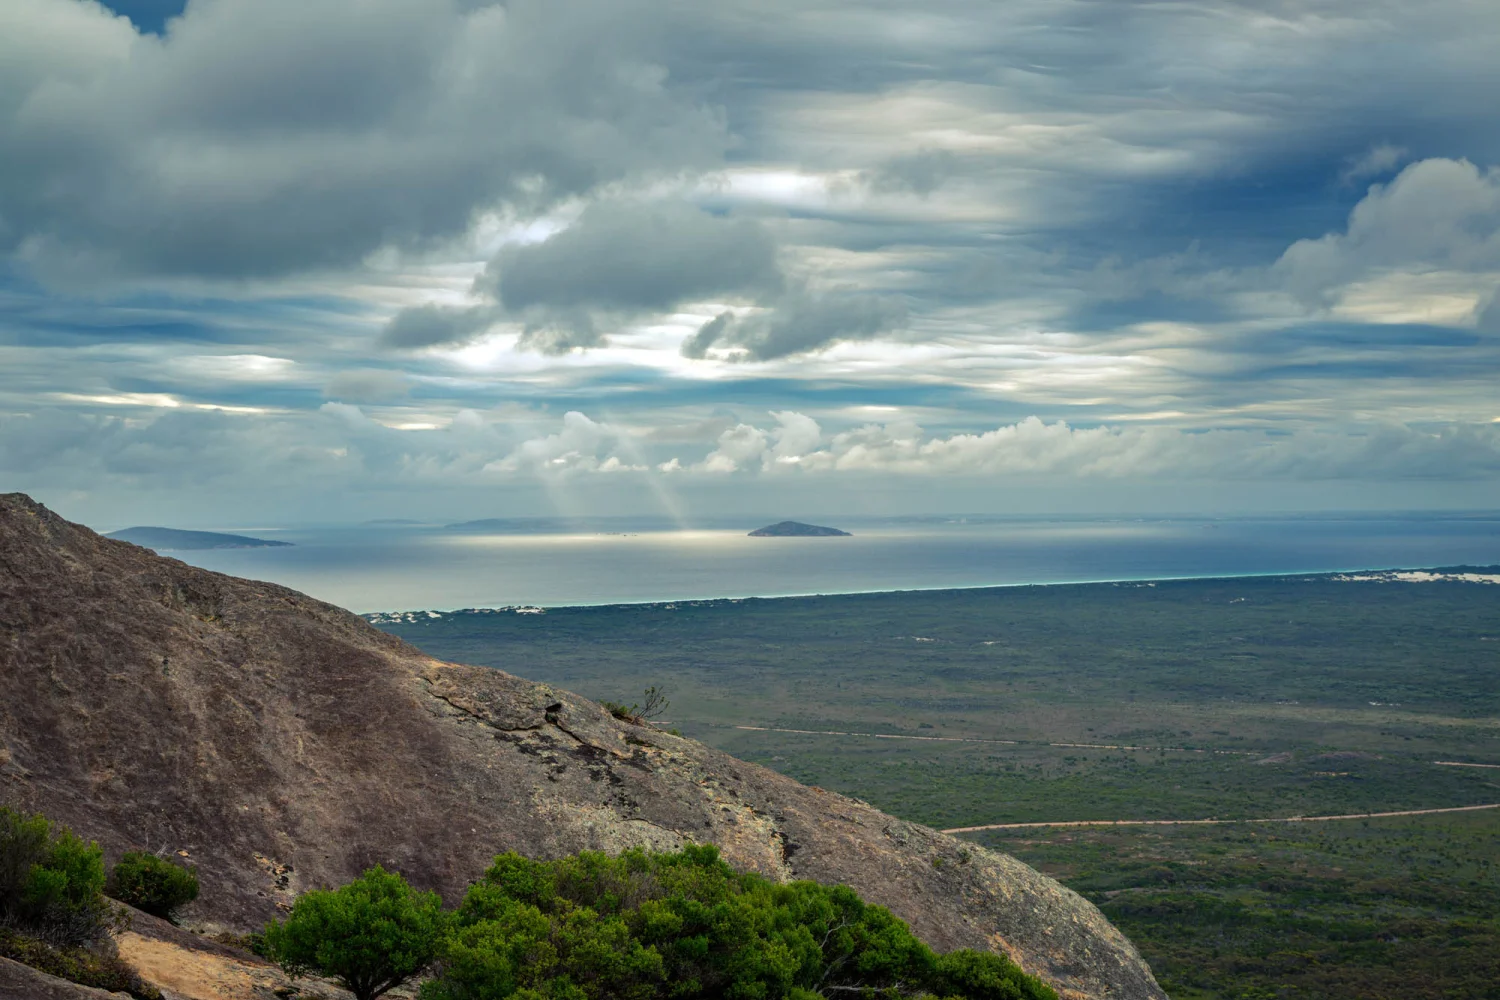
pixel 281 744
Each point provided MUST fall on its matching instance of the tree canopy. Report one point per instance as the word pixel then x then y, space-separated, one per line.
pixel 372 935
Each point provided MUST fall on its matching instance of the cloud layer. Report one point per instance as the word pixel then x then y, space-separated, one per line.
pixel 456 244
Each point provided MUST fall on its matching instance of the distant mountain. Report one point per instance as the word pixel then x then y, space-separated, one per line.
pixel 795 529
pixel 168 539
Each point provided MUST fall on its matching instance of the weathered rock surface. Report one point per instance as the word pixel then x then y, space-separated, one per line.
pixel 282 744
pixel 22 982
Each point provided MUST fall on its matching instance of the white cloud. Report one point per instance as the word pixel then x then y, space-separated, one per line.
pixel 367 385
pixel 1437 214
pixel 742 447
pixel 1378 159
pixel 582 445
pixel 1034 448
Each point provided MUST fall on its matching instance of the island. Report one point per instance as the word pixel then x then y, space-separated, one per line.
pixel 168 539
pixel 795 529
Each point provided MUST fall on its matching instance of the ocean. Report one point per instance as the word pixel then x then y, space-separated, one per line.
pixel 621 561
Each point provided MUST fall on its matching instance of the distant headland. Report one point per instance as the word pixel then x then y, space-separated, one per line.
pixel 168 539
pixel 795 529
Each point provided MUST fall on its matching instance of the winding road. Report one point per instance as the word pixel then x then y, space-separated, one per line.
pixel 1220 822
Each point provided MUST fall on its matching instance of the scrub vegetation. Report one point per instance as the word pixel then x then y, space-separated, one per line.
pixel 53 913
pixel 641 926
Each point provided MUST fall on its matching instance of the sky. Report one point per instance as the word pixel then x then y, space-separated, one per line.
pixel 290 262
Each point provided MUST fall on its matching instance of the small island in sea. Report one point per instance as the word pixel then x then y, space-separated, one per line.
pixel 795 529
pixel 169 539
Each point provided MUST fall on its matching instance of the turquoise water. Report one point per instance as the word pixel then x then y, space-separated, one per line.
pixel 407 568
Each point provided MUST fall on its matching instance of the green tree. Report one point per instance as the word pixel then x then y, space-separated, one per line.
pixel 153 884
pixel 51 881
pixel 372 935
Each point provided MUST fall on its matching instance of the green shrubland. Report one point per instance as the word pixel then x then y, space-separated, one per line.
pixel 51 881
pixel 641 926
pixel 53 914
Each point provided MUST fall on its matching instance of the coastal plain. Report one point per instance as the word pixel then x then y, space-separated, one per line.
pixel 1246 699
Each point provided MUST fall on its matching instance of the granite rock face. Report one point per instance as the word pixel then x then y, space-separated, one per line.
pixel 22 982
pixel 282 744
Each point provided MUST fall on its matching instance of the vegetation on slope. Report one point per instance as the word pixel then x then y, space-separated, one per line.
pixel 642 926
pixel 53 914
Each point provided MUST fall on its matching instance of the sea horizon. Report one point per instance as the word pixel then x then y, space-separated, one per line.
pixel 424 568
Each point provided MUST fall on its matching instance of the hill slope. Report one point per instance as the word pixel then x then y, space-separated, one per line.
pixel 174 538
pixel 796 529
pixel 285 744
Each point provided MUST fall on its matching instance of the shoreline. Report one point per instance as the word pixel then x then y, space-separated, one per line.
pixel 1341 575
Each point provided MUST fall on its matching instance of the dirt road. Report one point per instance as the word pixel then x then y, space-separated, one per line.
pixel 1220 822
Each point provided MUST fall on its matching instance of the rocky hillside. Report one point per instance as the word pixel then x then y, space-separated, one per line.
pixel 282 744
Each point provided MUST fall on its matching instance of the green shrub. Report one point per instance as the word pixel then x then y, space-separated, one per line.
pixel 683 926
pixel 372 935
pixel 51 881
pixel 152 884
pixel 102 970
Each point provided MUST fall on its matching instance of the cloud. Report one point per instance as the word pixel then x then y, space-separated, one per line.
pixel 740 447
pixel 1011 209
pixel 746 448
pixel 798 323
pixel 619 261
pixel 367 385
pixel 581 445
pixel 1033 448
pixel 920 173
pixel 433 325
pixel 268 137
pixel 1378 159
pixel 1436 214
pixel 637 257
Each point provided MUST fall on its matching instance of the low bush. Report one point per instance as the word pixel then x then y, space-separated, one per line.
pixel 99 967
pixel 654 704
pixel 152 884
pixel 51 881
